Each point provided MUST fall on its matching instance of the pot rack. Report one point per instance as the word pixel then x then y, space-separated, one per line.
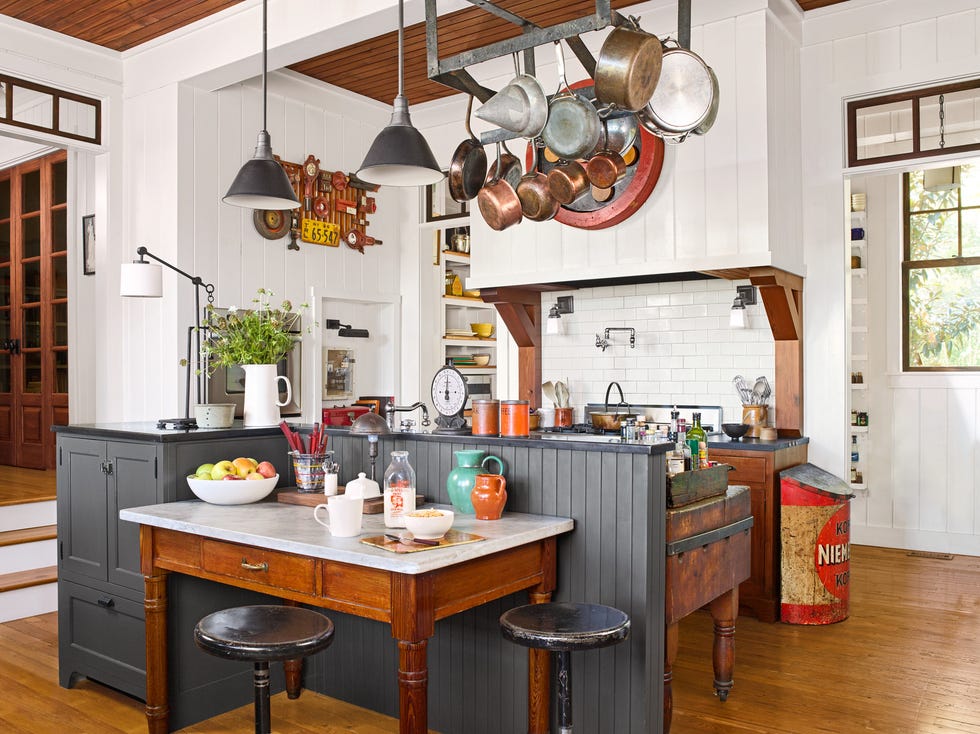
pixel 452 72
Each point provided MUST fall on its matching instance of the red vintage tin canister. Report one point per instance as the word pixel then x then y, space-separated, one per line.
pixel 486 418
pixel 515 417
pixel 816 546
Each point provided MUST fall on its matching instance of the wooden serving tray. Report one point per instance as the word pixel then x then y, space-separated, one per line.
pixel 372 505
pixel 452 537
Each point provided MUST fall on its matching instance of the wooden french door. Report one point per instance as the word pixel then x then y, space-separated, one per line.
pixel 33 309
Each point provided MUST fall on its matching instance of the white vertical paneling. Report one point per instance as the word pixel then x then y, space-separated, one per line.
pixel 719 145
pixel 933 489
pixel 850 57
pixel 958 32
pixel 961 479
pixel 658 214
pixel 976 462
pixel 752 130
pixel 884 50
pixel 208 181
pixel 919 44
pixel 907 441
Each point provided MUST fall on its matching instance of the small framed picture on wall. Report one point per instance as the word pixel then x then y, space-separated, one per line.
pixel 88 244
pixel 440 205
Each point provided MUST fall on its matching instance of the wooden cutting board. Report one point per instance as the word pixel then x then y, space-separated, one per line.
pixel 372 505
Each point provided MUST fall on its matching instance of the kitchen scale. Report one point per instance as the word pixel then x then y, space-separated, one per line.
pixel 449 395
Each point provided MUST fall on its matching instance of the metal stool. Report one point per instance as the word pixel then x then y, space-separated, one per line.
pixel 562 628
pixel 262 634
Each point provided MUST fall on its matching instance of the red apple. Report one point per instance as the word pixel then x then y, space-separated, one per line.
pixel 231 478
pixel 255 475
pixel 266 469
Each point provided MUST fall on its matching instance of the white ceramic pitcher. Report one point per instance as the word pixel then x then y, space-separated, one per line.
pixel 262 394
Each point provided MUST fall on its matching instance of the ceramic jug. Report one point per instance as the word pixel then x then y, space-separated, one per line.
pixel 489 496
pixel 460 482
pixel 262 395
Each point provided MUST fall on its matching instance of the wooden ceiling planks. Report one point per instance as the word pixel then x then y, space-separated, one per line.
pixel 368 68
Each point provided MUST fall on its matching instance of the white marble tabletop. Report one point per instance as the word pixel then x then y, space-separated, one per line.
pixel 291 528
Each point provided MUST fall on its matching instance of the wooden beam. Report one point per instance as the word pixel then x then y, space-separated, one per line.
pixel 520 310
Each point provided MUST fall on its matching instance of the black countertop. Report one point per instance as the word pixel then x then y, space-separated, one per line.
pixel 148 431
pixel 755 444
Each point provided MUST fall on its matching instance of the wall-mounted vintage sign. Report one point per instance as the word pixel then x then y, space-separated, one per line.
pixel 335 208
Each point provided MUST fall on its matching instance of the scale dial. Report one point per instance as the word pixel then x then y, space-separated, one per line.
pixel 449 391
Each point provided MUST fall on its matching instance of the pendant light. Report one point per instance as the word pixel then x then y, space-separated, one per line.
pixel 400 156
pixel 262 183
pixel 936 180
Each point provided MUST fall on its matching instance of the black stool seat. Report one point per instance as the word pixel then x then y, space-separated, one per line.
pixel 565 626
pixel 263 633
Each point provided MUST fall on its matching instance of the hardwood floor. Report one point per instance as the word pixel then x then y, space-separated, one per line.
pixel 907 661
pixel 19 485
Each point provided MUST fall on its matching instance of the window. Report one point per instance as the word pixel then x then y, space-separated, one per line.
pixel 941 273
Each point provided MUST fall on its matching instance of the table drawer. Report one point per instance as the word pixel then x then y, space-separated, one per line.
pixel 748 470
pixel 259 565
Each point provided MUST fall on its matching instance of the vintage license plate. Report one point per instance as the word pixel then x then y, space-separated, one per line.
pixel 320 233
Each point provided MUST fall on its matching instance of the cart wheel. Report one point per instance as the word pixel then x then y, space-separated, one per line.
pixel 722 694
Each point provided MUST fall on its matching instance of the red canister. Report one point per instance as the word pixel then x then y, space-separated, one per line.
pixel 486 418
pixel 515 417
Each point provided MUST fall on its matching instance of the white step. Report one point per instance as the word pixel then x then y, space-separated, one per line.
pixel 25 556
pixel 27 515
pixel 28 602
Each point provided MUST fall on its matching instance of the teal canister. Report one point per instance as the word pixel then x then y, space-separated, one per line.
pixel 462 478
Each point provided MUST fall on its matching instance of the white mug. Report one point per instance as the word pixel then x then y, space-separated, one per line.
pixel 345 515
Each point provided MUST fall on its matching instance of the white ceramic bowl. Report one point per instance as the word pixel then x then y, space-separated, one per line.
pixel 429 528
pixel 232 492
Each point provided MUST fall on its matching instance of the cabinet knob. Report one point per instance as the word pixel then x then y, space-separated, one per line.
pixel 254 566
pixel 107 602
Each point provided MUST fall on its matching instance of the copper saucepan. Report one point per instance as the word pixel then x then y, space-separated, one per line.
pixel 628 67
pixel 510 167
pixel 468 169
pixel 537 201
pixel 609 421
pixel 568 181
pixel 498 202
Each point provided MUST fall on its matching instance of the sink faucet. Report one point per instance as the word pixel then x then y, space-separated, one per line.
pixel 391 409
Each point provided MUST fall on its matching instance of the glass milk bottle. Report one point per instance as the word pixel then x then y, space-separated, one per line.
pixel 399 490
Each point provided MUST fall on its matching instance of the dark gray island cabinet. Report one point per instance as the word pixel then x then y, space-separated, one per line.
pixel 100 471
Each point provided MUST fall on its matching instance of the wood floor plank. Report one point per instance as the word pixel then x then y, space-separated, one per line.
pixel 18 485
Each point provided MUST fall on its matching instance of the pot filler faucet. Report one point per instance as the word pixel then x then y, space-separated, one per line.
pixel 391 409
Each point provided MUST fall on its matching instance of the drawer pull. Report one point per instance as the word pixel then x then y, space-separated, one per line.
pixel 254 566
pixel 106 602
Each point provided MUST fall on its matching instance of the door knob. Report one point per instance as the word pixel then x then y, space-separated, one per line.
pixel 11 345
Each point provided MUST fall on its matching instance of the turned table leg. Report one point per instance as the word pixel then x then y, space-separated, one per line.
pixel 538 680
pixel 155 606
pixel 724 611
pixel 671 634
pixel 413 687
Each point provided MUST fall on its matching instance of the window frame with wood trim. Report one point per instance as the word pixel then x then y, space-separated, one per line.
pixel 909 263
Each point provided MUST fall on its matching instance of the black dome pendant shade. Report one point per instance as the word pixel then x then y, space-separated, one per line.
pixel 262 183
pixel 400 155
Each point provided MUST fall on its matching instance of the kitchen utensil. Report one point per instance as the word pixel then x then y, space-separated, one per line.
pixel 683 98
pixel 605 168
pixel 510 167
pixel 548 389
pixel 759 390
pixel 628 67
pixel 568 181
pixel 468 168
pixel 766 388
pixel 537 202
pixel 537 102
pixel 573 129
pixel 705 126
pixel 601 195
pixel 561 392
pixel 509 108
pixel 609 421
pixel 619 131
pixel 744 390
pixel 498 201
pixel 735 430
pixel 409 538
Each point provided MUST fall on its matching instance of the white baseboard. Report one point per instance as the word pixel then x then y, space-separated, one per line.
pixel 28 602
pixel 27 515
pixel 25 556
pixel 924 540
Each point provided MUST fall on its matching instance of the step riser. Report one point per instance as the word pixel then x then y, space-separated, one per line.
pixel 28 602
pixel 25 556
pixel 27 515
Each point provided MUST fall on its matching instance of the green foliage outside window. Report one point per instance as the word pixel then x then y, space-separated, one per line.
pixel 942 270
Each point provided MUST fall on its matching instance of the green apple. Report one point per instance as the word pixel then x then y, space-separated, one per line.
pixel 204 469
pixel 203 475
pixel 222 468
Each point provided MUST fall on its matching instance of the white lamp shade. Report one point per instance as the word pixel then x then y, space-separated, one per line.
pixel 941 179
pixel 140 280
pixel 737 318
pixel 554 325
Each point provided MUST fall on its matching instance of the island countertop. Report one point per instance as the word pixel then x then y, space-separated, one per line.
pixel 292 529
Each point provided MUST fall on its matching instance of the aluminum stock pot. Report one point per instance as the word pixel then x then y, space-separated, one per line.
pixel 573 128
pixel 686 97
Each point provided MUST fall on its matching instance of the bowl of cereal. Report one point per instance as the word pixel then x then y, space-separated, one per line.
pixel 429 524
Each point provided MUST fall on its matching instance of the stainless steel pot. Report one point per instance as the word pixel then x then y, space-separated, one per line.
pixel 628 67
pixel 573 128
pixel 684 97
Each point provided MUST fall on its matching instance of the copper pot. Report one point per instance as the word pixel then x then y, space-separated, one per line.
pixel 567 181
pixel 609 421
pixel 628 67
pixel 605 169
pixel 510 167
pixel 468 168
pixel 498 202
pixel 537 202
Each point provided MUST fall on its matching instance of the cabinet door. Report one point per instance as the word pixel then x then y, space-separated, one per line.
pixel 133 483
pixel 82 506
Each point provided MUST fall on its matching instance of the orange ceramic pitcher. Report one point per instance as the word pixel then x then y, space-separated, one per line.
pixel 489 496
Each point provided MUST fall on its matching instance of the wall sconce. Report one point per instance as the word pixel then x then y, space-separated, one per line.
pixel 142 279
pixel 346 330
pixel 744 296
pixel 603 343
pixel 554 324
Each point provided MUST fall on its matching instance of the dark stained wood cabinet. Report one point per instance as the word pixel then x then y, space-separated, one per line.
pixel 759 471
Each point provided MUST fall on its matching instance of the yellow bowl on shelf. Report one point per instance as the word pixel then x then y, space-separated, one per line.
pixel 481 360
pixel 483 330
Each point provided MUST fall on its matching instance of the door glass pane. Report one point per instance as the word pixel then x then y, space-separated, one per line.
pixel 32 327
pixel 32 236
pixel 5 198
pixel 32 282
pixel 5 242
pixel 61 371
pixel 60 324
pixel 4 324
pixel 32 372
pixel 59 180
pixel 59 277
pixel 884 129
pixel 4 372
pixel 30 195
pixel 4 285
pixel 59 230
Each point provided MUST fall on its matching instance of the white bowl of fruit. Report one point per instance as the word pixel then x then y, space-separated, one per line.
pixel 237 482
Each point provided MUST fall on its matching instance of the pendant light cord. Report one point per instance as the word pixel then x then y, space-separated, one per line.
pixel 265 45
pixel 401 33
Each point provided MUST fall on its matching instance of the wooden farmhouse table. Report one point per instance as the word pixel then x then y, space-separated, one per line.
pixel 278 549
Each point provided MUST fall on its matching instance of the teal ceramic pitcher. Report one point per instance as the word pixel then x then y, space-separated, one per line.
pixel 462 478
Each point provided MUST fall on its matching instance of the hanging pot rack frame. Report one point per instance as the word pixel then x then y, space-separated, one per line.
pixel 452 71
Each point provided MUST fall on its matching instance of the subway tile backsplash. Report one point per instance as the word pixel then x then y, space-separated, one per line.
pixel 685 351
